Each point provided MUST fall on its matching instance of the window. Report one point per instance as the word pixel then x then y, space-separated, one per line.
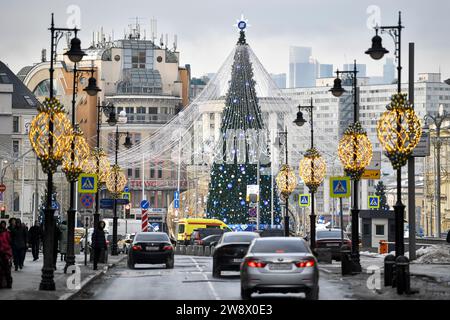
pixel 279 246
pixel 130 172
pixel 15 124
pixel 159 173
pixel 366 229
pixel 138 59
pixel 379 229
pixel 153 110
pixel 139 111
pixel 16 206
pixel 30 102
pixel 152 173
pixel 137 173
pixel 15 148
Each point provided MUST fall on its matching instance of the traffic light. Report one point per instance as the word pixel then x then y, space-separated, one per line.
pixel 127 211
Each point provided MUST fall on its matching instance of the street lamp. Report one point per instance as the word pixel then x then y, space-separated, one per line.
pixel 355 153
pixel 115 183
pixel 286 182
pixel 437 120
pixel 312 168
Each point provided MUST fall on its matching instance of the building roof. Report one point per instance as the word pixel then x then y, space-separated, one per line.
pixel 22 97
pixel 24 72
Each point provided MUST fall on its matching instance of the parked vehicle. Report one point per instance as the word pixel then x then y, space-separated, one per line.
pixel 230 250
pixel 199 234
pixel 208 241
pixel 188 225
pixel 272 233
pixel 331 239
pixel 151 248
pixel 279 264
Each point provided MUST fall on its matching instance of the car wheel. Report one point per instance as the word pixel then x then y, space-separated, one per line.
pixel 130 264
pixel 312 294
pixel 216 270
pixel 246 294
pixel 170 263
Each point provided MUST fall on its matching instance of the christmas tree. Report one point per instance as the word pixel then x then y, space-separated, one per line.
pixel 236 168
pixel 380 190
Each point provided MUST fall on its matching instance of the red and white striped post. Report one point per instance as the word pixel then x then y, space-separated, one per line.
pixel 144 220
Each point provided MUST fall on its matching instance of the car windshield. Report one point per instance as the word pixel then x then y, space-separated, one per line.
pixel 151 237
pixel 237 237
pixel 330 234
pixel 279 246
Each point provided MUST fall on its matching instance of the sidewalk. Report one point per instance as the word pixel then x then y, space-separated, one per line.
pixel 26 281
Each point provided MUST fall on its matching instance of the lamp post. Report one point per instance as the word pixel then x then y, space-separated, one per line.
pixel 73 163
pixel 437 120
pixel 312 168
pixel 286 182
pixel 355 153
pixel 116 182
pixel 50 135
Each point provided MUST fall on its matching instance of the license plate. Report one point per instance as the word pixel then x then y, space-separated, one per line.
pixel 332 244
pixel 151 248
pixel 237 260
pixel 280 266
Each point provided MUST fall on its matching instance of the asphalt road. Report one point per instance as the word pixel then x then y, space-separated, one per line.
pixel 191 279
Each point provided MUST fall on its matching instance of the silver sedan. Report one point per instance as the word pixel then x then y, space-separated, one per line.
pixel 279 264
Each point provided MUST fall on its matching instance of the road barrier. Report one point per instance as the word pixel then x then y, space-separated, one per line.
pixel 207 251
pixel 182 249
pixel 189 250
pixel 200 251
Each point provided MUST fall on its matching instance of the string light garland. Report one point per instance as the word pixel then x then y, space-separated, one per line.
pixel 90 166
pixel 116 181
pixel 73 168
pixel 50 111
pixel 312 169
pixel 399 130
pixel 355 151
pixel 286 180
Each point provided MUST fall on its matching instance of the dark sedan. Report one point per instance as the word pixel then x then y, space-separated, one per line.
pixel 331 239
pixel 209 240
pixel 230 251
pixel 151 248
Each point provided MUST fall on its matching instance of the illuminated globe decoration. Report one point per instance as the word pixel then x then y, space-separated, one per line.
pixel 312 169
pixel 90 166
pixel 242 23
pixel 40 136
pixel 399 130
pixel 73 168
pixel 116 180
pixel 355 151
pixel 286 180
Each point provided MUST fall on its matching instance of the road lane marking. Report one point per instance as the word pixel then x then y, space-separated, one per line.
pixel 211 287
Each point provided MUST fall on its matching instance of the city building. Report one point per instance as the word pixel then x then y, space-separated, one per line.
pixel 279 79
pixel 302 68
pixel 325 71
pixel 361 68
pixel 389 71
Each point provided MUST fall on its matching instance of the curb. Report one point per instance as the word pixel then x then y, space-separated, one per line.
pixel 90 279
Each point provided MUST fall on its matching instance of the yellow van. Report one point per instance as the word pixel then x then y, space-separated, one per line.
pixel 188 225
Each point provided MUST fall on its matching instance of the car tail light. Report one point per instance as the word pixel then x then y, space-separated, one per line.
pixel 137 248
pixel 305 264
pixel 107 242
pixel 256 264
pixel 167 248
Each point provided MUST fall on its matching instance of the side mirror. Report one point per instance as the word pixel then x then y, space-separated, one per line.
pixel 214 243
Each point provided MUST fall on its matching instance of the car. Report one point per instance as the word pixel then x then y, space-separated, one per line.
pixel 208 241
pixel 230 250
pixel 272 233
pixel 331 239
pixel 279 265
pixel 125 243
pixel 120 239
pixel 201 233
pixel 151 248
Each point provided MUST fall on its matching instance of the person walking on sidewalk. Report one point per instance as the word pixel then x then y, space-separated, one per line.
pixel 55 244
pixel 448 236
pixel 19 244
pixel 5 257
pixel 34 235
pixel 63 240
pixel 98 241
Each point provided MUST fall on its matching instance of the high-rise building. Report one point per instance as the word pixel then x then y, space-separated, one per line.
pixel 279 79
pixel 302 68
pixel 325 71
pixel 389 71
pixel 361 68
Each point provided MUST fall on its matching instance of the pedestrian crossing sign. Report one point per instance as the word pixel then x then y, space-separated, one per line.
pixel 303 200
pixel 374 202
pixel 340 187
pixel 126 195
pixel 87 183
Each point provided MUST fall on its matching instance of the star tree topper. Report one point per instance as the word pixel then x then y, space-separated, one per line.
pixel 242 23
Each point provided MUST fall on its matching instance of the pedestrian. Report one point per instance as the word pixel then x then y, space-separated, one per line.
pixel 63 240
pixel 5 257
pixel 448 236
pixel 98 241
pixel 19 244
pixel 34 239
pixel 57 237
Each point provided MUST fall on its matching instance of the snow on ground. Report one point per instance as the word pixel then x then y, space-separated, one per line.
pixel 434 254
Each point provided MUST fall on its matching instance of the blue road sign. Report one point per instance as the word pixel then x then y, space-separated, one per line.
pixel 374 202
pixel 339 187
pixel 106 203
pixel 176 200
pixel 126 189
pixel 87 183
pixel 145 204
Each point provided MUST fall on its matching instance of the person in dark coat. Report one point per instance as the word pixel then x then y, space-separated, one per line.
pixel 18 244
pixel 5 256
pixel 98 241
pixel 34 238
pixel 448 236
pixel 55 244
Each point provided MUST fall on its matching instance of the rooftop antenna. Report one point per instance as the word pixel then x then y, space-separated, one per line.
pixel 153 29
pixel 161 42
pixel 167 40
pixel 93 39
pixel 175 40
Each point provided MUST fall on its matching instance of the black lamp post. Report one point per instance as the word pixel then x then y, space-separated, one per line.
pixel 337 91
pixel 300 121
pixel 75 54
pixel 286 211
pixel 91 90
pixel 127 144
pixel 377 51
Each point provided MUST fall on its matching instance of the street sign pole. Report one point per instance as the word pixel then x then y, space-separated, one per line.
pixel 341 221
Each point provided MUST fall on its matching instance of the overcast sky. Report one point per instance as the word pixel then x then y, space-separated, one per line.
pixel 336 30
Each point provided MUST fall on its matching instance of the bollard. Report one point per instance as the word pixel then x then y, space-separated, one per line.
pixel 402 274
pixel 212 250
pixel 177 250
pixel 389 266
pixel 383 248
pixel 195 250
pixel 189 250
pixel 200 250
pixel 346 260
pixel 182 249
pixel 207 251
